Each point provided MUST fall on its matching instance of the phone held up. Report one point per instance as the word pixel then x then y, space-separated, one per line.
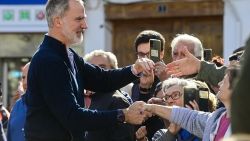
pixel 155 49
pixel 201 96
pixel 208 54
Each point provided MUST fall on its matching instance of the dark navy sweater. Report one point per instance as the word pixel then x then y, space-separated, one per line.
pixel 54 96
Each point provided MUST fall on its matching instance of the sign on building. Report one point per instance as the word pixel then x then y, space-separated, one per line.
pixel 22 16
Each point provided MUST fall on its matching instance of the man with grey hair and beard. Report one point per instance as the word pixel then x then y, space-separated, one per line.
pixel 58 76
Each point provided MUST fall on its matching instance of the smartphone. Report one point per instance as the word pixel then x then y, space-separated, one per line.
pixel 155 49
pixel 203 99
pixel 208 54
pixel 190 94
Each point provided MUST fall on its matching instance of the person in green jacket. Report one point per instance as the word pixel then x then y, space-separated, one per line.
pixel 189 65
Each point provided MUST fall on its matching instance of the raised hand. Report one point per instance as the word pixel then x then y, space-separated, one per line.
pixel 143 64
pixel 194 105
pixel 186 66
pixel 135 113
pixel 160 71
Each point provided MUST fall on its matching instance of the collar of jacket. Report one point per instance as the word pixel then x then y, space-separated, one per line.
pixel 57 46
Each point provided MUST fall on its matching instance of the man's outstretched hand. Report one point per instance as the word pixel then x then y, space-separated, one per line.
pixel 186 66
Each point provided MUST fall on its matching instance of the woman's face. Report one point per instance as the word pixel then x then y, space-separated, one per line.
pixel 224 94
pixel 174 96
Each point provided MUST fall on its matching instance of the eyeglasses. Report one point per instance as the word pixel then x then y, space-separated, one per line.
pixel 142 54
pixel 175 95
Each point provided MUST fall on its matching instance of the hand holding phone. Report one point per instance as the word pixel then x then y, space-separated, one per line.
pixel 208 54
pixel 201 96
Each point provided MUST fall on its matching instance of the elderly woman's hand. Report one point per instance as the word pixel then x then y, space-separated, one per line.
pixel 194 105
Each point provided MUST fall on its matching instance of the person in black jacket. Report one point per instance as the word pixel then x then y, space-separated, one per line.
pixel 108 101
pixel 58 76
pixel 143 89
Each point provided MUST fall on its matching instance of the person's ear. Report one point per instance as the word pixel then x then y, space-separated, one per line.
pixel 57 21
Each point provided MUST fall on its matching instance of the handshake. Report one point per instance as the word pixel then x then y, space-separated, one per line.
pixel 138 112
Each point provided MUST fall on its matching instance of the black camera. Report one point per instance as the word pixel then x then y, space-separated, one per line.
pixel 200 95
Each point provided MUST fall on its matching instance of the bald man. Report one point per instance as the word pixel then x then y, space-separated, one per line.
pixel 22 87
pixel 18 113
pixel 24 76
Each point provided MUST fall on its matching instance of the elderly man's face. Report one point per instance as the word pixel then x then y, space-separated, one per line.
pixel 177 54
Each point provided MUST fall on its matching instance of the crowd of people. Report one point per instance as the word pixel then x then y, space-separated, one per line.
pixel 66 97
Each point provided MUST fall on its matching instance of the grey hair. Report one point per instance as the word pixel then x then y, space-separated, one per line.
pixel 177 81
pixel 56 8
pixel 198 48
pixel 109 55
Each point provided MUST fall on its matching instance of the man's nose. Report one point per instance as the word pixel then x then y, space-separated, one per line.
pixel 84 24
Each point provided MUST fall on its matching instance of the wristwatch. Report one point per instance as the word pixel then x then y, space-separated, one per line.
pixel 120 116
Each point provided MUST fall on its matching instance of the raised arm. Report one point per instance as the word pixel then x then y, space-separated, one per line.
pixel 191 120
pixel 205 71
pixel 100 80
pixel 160 110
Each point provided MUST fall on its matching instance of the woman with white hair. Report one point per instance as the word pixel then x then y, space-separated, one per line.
pixel 208 126
pixel 174 94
